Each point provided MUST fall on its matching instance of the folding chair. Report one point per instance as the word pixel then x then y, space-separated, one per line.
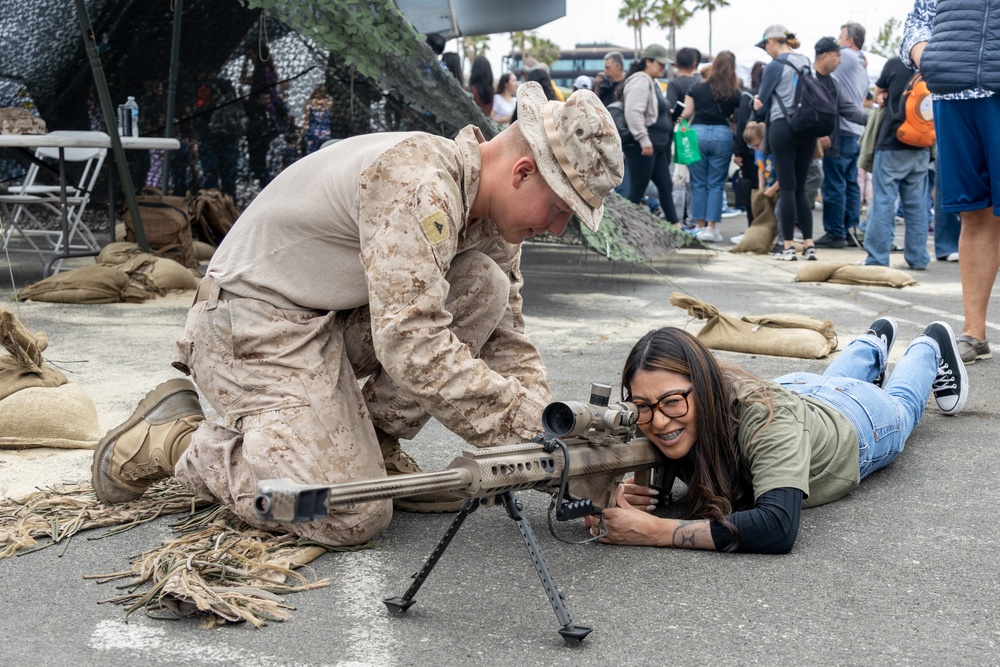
pixel 24 206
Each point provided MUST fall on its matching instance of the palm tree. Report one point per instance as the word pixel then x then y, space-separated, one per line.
pixel 711 6
pixel 517 40
pixel 636 15
pixel 671 14
pixel 476 45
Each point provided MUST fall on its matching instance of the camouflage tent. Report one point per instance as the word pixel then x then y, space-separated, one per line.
pixel 374 69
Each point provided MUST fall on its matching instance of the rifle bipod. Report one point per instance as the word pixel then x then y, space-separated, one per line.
pixel 515 510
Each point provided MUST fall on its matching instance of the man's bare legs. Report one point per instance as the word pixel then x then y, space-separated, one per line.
pixel 979 252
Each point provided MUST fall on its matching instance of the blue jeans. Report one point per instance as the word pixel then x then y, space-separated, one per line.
pixel 841 194
pixel 902 173
pixel 947 226
pixel 623 187
pixel 883 418
pixel 708 175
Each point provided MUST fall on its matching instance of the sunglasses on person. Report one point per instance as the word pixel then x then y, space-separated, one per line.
pixel 673 406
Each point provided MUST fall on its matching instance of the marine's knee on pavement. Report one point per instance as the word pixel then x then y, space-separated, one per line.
pixel 398 462
pixel 365 523
pixel 145 448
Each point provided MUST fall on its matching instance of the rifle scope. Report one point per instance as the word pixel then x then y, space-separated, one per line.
pixel 568 419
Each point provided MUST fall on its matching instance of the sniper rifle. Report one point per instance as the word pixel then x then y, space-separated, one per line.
pixel 580 440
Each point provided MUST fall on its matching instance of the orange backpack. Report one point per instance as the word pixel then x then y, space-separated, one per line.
pixel 918 118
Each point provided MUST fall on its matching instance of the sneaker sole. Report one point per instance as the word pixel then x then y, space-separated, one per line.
pixel 105 446
pixel 984 355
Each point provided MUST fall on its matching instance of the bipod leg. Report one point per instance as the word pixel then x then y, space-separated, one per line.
pixel 400 604
pixel 570 632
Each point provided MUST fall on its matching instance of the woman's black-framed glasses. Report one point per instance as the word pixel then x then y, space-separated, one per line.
pixel 673 406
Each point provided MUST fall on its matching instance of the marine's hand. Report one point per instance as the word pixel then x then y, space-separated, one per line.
pixel 626 524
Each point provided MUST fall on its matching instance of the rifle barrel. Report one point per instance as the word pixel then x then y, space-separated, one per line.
pixel 360 491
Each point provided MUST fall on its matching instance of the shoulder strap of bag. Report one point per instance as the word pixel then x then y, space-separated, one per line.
pixel 781 104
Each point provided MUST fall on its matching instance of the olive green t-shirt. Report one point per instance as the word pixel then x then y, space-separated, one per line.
pixel 807 445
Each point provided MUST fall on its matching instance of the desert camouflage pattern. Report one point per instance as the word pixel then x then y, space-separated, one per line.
pixel 442 336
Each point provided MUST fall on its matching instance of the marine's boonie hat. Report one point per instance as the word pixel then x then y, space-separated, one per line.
pixel 576 148
pixel 776 30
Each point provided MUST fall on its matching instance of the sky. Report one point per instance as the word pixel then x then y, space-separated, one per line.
pixel 736 28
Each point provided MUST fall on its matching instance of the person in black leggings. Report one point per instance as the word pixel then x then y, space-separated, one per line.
pixel 792 154
pixel 792 157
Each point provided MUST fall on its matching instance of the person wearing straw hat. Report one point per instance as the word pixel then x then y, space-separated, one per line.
pixel 393 257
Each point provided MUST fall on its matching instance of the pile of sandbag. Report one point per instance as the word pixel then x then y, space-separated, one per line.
pixel 39 406
pixel 123 273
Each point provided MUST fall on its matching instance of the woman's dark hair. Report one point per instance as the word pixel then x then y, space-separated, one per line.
pixel 454 65
pixel 542 77
pixel 481 79
pixel 638 65
pixel 756 73
pixel 502 83
pixel 716 486
pixel 722 79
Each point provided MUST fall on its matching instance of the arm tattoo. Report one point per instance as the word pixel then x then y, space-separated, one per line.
pixel 684 535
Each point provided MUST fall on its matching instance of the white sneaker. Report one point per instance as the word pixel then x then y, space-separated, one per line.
pixel 786 255
pixel 728 212
pixel 736 239
pixel 711 235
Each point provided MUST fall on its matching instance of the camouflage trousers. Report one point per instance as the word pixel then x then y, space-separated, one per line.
pixel 285 384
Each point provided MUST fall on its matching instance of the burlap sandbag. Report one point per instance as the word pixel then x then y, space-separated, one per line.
pixel 62 416
pixel 759 238
pixel 23 367
pixel 38 407
pixel 853 274
pixel 100 283
pixel 780 335
pixel 165 273
pixel 203 251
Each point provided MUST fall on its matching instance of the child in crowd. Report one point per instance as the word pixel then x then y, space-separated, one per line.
pixel 767 180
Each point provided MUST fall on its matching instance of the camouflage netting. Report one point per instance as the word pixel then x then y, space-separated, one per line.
pixel 247 72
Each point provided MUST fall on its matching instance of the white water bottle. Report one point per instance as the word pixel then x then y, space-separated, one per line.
pixel 132 112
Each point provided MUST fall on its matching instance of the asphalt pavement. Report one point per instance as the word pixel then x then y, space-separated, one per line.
pixel 903 571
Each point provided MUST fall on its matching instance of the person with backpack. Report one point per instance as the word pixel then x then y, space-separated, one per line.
pixel 793 151
pixel 900 170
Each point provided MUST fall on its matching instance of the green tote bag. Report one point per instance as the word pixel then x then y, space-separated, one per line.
pixel 685 143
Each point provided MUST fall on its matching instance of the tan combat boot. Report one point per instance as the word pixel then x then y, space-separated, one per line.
pixel 146 447
pixel 398 462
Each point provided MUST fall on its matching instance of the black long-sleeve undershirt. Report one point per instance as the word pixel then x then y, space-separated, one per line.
pixel 769 528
